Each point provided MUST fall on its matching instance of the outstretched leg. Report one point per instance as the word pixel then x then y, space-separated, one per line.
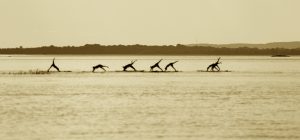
pixel 133 68
pixel 166 68
pixel 218 68
pixel 160 68
pixel 53 65
pixel 49 68
pixel 151 68
pixel 213 68
pixel 103 69
pixel 174 68
pixel 56 68
pixel 208 68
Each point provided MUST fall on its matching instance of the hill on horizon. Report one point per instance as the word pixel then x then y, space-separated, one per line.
pixel 138 49
pixel 285 45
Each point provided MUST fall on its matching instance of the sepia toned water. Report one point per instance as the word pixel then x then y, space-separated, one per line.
pixel 259 99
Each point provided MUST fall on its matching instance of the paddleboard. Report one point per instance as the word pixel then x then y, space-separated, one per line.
pixel 214 71
pixel 129 71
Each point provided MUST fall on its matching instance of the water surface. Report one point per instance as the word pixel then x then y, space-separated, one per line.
pixel 260 99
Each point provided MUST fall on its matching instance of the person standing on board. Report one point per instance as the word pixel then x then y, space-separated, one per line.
pixel 129 66
pixel 171 65
pixel 54 66
pixel 156 65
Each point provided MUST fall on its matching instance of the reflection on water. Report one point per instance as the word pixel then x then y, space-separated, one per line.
pixel 260 99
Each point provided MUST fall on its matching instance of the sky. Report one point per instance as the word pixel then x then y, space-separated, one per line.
pixel 34 23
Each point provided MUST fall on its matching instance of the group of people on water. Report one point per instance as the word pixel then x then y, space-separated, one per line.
pixel 156 65
pixel 212 67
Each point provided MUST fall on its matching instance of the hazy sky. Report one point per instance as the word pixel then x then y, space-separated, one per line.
pixel 33 23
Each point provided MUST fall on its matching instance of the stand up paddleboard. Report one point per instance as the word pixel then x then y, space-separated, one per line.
pixel 58 72
pixel 143 71
pixel 129 71
pixel 163 71
pixel 214 71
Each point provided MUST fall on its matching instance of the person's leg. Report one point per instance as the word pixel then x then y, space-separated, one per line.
pixel 174 68
pixel 208 68
pixel 133 68
pixel 151 68
pixel 160 68
pixel 56 68
pixel 218 68
pixel 166 68
pixel 213 68
pixel 49 68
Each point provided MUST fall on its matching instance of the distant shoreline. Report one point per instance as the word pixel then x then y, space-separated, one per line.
pixel 182 50
pixel 11 55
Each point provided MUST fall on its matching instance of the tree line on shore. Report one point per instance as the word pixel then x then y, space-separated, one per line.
pixel 150 50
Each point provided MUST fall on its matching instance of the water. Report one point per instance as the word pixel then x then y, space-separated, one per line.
pixel 259 100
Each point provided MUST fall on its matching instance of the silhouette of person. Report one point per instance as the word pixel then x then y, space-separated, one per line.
pixel 129 66
pixel 156 65
pixel 54 66
pixel 214 66
pixel 171 65
pixel 99 66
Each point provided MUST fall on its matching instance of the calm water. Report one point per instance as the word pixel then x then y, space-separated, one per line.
pixel 260 99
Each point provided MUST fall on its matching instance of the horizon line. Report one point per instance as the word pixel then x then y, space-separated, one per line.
pixel 128 44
